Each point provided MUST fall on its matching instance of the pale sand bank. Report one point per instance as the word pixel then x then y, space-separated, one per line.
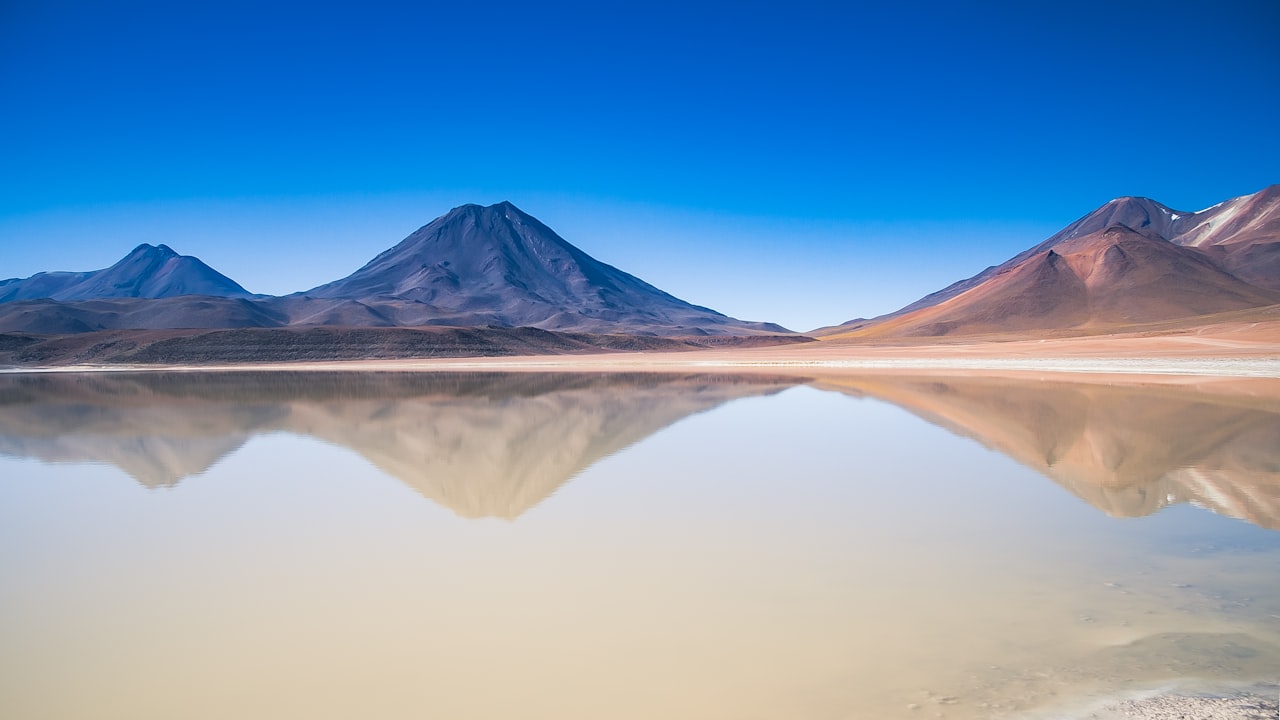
pixel 1228 350
pixel 737 361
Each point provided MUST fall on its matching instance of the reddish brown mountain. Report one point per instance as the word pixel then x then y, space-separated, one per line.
pixel 1129 262
pixel 1243 235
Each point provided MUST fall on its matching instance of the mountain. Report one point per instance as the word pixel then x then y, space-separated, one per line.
pixel 1130 261
pixel 474 267
pixel 497 265
pixel 149 271
pixel 1243 235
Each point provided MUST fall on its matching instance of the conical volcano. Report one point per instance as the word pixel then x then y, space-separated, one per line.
pixel 497 265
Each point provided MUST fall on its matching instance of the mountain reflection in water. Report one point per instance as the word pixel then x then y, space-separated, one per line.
pixel 481 444
pixel 497 444
pixel 1128 450
pixel 822 553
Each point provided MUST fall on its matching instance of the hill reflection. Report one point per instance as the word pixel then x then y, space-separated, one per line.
pixel 481 444
pixel 497 444
pixel 1128 450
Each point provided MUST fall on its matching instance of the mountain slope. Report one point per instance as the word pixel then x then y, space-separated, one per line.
pixel 52 317
pixel 1132 260
pixel 497 265
pixel 473 267
pixel 1242 235
pixel 149 271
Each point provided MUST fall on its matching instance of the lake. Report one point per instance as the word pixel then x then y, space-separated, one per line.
pixel 486 545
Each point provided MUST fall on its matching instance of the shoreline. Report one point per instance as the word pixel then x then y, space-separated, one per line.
pixel 1228 349
pixel 897 363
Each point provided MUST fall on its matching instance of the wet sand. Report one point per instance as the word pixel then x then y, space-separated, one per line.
pixel 1099 369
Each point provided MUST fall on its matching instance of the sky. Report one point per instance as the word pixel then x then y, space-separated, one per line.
pixel 802 163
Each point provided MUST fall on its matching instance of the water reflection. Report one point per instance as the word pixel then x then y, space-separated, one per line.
pixel 1128 450
pixel 802 556
pixel 488 444
pixel 481 444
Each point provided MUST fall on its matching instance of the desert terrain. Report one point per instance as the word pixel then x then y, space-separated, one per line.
pixel 1237 344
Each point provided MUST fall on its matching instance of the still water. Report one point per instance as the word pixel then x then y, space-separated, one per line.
pixel 250 545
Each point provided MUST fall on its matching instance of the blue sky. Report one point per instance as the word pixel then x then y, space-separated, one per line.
pixel 804 163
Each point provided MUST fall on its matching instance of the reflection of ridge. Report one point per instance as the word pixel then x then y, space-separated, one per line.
pixel 482 444
pixel 1128 451
pixel 117 420
pixel 502 456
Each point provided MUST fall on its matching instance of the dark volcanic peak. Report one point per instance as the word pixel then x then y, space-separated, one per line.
pixel 473 267
pixel 499 265
pixel 148 271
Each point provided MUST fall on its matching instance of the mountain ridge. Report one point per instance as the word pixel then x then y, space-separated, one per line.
pixel 1132 260
pixel 148 271
pixel 475 266
pixel 508 268
pixel 1152 263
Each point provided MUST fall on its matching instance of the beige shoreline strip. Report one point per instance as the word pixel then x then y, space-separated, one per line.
pixel 1241 367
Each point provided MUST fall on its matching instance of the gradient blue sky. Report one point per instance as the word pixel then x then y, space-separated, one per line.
pixel 804 163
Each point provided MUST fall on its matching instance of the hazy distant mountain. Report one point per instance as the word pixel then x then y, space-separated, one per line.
pixel 497 265
pixel 149 271
pixel 1130 261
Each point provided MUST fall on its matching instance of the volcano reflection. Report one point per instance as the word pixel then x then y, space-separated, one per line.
pixel 482 444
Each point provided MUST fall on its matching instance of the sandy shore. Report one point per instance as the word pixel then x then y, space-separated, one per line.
pixel 1227 350
pixel 790 360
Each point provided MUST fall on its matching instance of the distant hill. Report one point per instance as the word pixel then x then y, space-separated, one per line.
pixel 149 271
pixel 475 266
pixel 1131 261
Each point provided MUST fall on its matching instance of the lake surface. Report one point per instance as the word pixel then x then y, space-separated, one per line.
pixel 259 545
